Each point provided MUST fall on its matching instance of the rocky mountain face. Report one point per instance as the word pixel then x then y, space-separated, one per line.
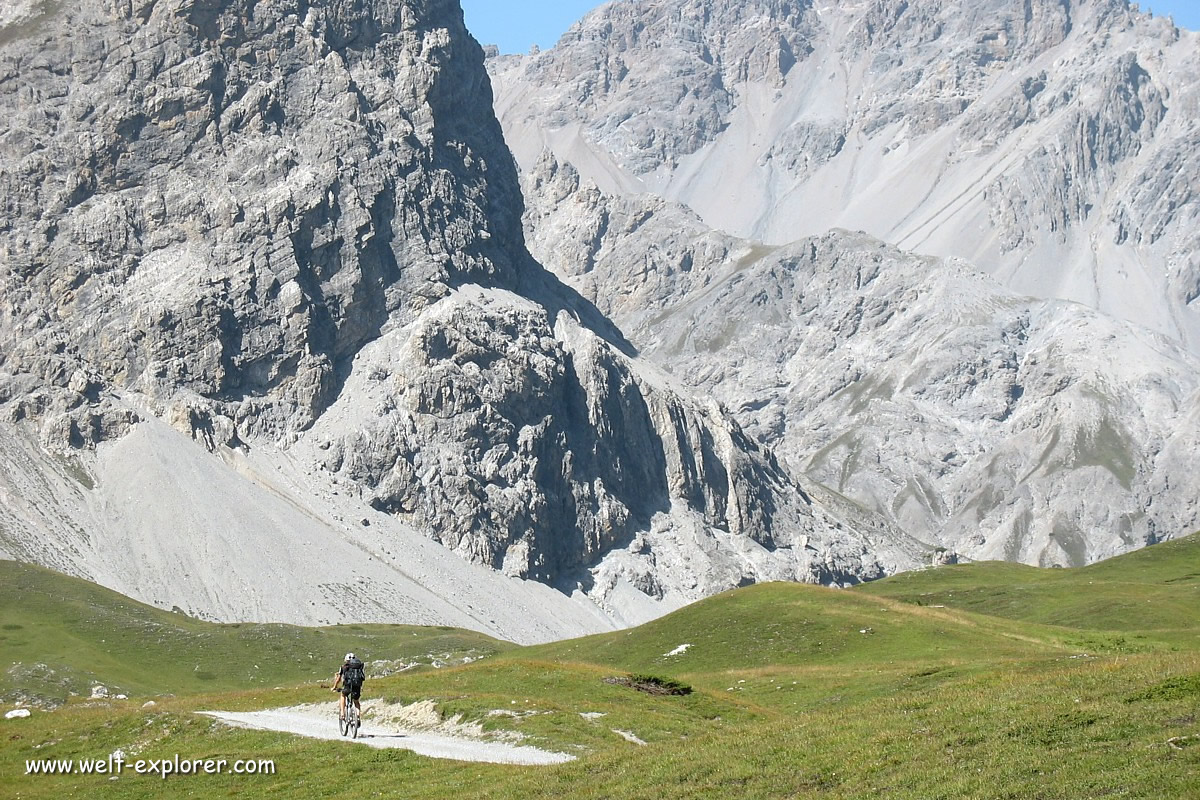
pixel 292 233
pixel 1053 143
pixel 964 411
pixel 994 423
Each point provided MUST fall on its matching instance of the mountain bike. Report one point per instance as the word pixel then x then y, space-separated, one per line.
pixel 350 721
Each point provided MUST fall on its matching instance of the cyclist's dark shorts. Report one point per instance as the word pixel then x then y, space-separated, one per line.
pixel 352 690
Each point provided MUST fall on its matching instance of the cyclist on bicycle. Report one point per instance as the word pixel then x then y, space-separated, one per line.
pixel 350 677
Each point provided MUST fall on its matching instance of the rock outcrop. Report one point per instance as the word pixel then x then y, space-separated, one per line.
pixel 999 425
pixel 232 198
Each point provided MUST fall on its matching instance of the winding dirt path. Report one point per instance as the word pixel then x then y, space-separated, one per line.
pixel 373 734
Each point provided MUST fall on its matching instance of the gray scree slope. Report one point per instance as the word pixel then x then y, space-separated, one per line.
pixel 1053 143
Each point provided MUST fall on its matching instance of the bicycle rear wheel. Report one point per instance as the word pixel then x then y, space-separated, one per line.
pixel 355 722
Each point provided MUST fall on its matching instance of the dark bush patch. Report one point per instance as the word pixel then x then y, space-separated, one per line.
pixel 651 684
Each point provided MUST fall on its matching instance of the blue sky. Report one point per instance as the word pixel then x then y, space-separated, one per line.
pixel 517 24
pixel 1185 12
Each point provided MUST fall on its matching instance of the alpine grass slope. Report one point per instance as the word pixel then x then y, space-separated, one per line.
pixel 797 691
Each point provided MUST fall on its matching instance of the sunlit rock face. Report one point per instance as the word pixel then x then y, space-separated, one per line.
pixel 289 236
pixel 1014 374
pixel 1051 143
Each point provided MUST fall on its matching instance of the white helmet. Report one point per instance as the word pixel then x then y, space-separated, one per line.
pixel 349 656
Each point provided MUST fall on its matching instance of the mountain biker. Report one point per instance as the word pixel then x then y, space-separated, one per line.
pixel 351 677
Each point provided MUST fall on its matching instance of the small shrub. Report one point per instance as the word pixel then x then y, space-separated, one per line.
pixel 651 684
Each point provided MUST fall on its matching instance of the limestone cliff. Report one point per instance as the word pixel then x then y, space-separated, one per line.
pixel 293 232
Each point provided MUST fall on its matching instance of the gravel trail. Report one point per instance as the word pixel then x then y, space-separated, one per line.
pixel 435 745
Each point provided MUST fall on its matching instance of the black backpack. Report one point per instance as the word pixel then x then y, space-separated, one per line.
pixel 355 673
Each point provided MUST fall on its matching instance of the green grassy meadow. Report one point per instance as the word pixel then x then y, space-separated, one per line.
pixel 61 635
pixel 978 681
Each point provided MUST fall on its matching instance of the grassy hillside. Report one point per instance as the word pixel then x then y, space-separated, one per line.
pixel 1154 591
pixel 799 692
pixel 785 624
pixel 61 635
